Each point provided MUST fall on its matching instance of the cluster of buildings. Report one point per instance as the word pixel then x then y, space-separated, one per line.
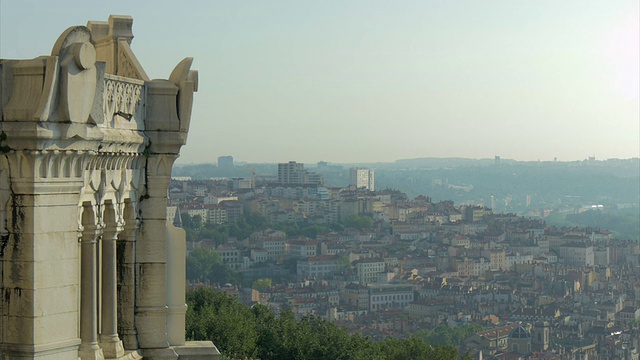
pixel 538 291
pixel 296 194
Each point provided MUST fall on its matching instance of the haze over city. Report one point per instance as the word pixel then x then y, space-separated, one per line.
pixel 364 81
pixel 287 230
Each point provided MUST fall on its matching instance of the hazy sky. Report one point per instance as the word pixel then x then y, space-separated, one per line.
pixel 366 81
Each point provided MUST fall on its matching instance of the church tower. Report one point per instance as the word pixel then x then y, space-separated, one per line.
pixel 541 333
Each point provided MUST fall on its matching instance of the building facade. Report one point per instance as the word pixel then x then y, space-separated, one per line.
pixel 225 162
pixel 368 270
pixel 362 178
pixel 577 254
pixel 317 266
pixel 294 173
pixel 383 297
pixel 92 269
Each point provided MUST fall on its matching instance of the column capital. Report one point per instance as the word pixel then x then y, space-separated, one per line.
pixel 90 233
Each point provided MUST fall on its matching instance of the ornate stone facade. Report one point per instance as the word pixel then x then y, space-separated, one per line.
pixel 90 268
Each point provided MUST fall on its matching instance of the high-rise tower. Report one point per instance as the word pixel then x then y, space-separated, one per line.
pixel 362 178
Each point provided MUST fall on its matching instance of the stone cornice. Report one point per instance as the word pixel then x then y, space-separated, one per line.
pixel 68 164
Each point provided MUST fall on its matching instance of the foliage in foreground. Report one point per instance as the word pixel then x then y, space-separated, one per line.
pixel 206 265
pixel 243 332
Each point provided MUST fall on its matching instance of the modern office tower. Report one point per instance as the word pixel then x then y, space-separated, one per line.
pixel 225 162
pixel 362 178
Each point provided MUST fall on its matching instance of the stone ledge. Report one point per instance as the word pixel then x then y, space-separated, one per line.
pixel 197 350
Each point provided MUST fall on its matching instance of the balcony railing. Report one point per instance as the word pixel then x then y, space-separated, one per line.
pixel 123 97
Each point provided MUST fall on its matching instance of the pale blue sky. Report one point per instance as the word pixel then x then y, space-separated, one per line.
pixel 366 81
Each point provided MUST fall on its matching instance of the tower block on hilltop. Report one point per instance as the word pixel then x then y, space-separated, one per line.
pixel 90 267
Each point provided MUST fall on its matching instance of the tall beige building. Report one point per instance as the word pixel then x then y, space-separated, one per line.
pixel 90 267
pixel 294 173
pixel 291 173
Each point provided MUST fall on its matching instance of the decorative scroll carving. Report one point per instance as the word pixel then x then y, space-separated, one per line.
pixel 121 96
pixel 77 76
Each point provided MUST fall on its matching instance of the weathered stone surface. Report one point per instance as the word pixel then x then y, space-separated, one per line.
pixel 88 143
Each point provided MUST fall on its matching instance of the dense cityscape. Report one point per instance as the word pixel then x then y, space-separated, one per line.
pixel 382 264
pixel 417 180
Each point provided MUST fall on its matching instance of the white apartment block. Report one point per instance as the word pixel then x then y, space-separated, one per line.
pixel 577 254
pixel 362 178
pixel 202 212
pixel 301 248
pixel 390 296
pixel 217 215
pixel 516 259
pixel 209 214
pixel 368 270
pixel 275 247
pixel 317 266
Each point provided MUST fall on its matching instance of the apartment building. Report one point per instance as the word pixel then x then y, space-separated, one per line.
pixel 317 266
pixel 390 296
pixel 362 178
pixel 578 254
pixel 369 269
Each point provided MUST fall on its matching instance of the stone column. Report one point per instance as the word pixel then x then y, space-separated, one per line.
pixel 109 341
pixel 89 348
pixel 168 114
pixel 126 249
pixel 176 283
pixel 151 304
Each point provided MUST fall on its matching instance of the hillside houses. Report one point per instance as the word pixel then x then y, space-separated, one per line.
pixel 424 264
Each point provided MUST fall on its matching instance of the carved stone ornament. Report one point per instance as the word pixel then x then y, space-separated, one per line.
pixel 121 97
pixel 77 74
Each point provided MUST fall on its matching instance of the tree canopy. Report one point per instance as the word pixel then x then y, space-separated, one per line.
pixel 206 265
pixel 256 332
pixel 359 222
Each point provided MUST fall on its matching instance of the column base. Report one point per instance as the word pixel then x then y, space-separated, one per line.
pixel 111 347
pixel 130 339
pixel 90 352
